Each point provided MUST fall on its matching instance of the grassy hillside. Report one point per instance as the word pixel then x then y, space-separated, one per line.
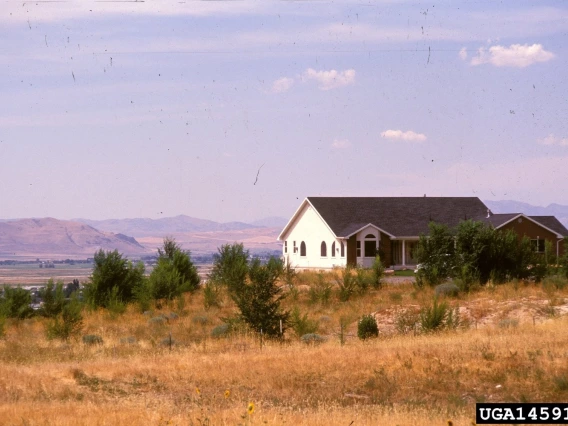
pixel 512 346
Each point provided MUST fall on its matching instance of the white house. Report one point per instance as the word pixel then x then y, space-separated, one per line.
pixel 333 231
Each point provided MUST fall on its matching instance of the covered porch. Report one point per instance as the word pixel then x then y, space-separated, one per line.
pixel 404 252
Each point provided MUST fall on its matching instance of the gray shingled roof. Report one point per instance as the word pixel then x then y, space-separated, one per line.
pixel 399 216
pixel 496 220
pixel 551 223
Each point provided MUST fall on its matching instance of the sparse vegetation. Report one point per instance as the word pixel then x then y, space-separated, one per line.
pixel 113 375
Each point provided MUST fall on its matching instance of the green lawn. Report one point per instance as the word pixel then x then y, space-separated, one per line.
pixel 407 273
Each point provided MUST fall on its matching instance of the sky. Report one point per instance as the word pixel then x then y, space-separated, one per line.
pixel 238 110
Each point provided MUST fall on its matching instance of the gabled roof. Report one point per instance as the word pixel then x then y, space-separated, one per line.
pixel 397 216
pixel 499 219
pixel 549 223
pixel 552 223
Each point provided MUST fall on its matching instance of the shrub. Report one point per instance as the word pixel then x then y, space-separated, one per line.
pixel 111 271
pixel 69 323
pixel 16 303
pixel 230 266
pixel 174 273
pixel 320 291
pixel 93 339
pixel 433 318
pixel 200 320
pixel 222 330
pixel 301 324
pixel 367 327
pixel 159 320
pixel 377 273
pixel 508 323
pixel 555 282
pixel 211 295
pixel 447 289
pixel 312 338
pixel 130 340
pixel 406 321
pixel 259 301
pixel 114 304
pixel 347 284
pixel 53 299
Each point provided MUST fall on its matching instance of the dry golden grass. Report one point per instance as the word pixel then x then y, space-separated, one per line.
pixel 396 379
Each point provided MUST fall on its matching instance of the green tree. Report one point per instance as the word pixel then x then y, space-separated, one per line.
pixel 259 299
pixel 16 303
pixel 435 254
pixel 111 270
pixel 53 299
pixel 174 273
pixel 253 287
pixel 230 266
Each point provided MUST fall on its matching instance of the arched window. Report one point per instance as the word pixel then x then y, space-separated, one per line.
pixel 302 249
pixel 342 249
pixel 333 249
pixel 370 245
pixel 323 249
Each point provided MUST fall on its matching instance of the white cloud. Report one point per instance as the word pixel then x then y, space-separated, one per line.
pixel 551 139
pixel 463 53
pixel 282 85
pixel 409 135
pixel 331 79
pixel 516 55
pixel 340 144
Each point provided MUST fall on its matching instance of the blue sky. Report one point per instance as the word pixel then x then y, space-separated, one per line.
pixel 154 109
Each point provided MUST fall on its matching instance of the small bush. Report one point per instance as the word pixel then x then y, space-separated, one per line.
pixel 69 323
pixel 16 303
pixel 159 320
pixel 53 299
pixel 168 342
pixel 447 289
pixel 301 324
pixel 377 273
pixel 406 321
pixel 555 282
pixel 130 340
pixel 320 291
pixel 433 318
pixel 222 330
pixel 561 382
pixel 347 283
pixel 508 323
pixel 200 320
pixel 312 338
pixel 367 327
pixel 92 339
pixel 114 304
pixel 212 295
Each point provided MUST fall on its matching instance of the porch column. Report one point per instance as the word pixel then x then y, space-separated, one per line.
pixel 403 252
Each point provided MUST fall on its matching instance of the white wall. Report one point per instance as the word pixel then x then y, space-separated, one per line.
pixel 311 229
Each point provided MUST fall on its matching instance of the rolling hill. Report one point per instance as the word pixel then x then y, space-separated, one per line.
pixel 59 238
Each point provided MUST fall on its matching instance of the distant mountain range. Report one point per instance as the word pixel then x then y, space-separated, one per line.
pixel 57 238
pixel 558 210
pixel 140 227
pixel 48 237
